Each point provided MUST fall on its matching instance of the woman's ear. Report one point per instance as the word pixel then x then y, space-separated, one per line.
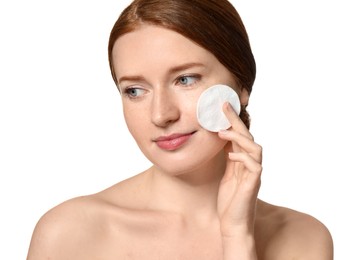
pixel 244 97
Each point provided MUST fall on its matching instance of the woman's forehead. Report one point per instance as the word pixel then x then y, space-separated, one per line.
pixel 155 46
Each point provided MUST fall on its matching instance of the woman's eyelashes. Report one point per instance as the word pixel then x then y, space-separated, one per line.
pixel 137 91
pixel 133 92
pixel 188 80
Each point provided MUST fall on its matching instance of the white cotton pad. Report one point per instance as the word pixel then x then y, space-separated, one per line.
pixel 209 107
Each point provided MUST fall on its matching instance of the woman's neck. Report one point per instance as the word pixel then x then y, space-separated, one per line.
pixel 192 194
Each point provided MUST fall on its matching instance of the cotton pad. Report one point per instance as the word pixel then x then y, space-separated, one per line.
pixel 209 107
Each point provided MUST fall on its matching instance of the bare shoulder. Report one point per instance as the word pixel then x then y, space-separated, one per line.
pixel 63 227
pixel 284 233
pixel 84 227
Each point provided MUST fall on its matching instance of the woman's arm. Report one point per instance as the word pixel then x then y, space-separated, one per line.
pixel 239 190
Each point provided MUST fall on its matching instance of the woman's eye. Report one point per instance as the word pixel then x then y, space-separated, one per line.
pixel 134 92
pixel 187 80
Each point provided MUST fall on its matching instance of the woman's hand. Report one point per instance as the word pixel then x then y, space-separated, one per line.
pixel 239 187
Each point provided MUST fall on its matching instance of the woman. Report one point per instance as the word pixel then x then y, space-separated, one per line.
pixel 199 199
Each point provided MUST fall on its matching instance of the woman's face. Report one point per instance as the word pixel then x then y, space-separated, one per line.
pixel 161 75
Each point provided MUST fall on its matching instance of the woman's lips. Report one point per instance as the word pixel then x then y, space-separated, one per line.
pixel 172 142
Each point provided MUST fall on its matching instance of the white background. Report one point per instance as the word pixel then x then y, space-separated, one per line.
pixel 62 132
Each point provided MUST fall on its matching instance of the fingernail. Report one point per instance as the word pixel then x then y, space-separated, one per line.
pixel 227 105
pixel 231 154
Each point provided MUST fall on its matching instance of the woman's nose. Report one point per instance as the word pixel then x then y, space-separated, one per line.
pixel 164 108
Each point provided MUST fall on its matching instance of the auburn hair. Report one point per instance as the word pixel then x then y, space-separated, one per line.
pixel 213 24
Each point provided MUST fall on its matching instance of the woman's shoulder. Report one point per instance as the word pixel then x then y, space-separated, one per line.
pixel 75 212
pixel 63 227
pixel 286 232
pixel 82 222
pixel 71 212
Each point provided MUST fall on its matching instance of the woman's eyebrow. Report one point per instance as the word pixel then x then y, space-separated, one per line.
pixel 185 66
pixel 130 78
pixel 172 70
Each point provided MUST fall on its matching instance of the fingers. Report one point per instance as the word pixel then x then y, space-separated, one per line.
pixel 249 162
pixel 250 154
pixel 244 143
pixel 245 150
pixel 235 120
